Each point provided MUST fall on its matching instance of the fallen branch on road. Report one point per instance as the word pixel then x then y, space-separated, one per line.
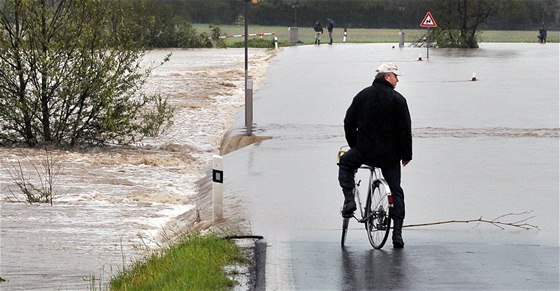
pixel 521 223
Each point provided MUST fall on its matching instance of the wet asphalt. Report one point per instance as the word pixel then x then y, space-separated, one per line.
pixel 289 187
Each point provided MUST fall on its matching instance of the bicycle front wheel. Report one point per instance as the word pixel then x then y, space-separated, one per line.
pixel 378 223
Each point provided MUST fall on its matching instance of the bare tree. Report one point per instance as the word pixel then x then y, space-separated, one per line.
pixel 38 188
pixel 460 20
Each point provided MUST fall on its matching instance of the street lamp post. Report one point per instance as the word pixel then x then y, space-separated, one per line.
pixel 401 10
pixel 401 33
pixel 245 37
pixel 295 5
pixel 248 79
pixel 248 104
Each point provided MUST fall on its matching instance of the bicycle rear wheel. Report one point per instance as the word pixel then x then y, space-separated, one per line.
pixel 378 223
pixel 345 222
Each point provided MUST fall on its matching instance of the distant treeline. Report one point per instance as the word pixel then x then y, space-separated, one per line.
pixel 508 15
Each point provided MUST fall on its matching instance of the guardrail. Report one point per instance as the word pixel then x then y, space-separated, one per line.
pixel 259 34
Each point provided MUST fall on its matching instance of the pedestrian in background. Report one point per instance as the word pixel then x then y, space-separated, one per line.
pixel 542 33
pixel 330 28
pixel 377 128
pixel 318 32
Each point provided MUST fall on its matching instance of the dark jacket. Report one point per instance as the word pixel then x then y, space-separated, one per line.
pixel 318 28
pixel 377 125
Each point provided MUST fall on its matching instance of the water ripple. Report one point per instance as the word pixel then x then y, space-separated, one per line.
pixel 323 131
pixel 433 132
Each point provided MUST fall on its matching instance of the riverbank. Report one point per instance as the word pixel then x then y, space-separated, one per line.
pixel 111 205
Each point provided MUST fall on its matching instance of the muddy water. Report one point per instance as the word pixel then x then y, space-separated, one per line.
pixel 111 204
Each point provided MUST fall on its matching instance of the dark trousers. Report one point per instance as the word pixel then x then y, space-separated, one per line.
pixel 350 162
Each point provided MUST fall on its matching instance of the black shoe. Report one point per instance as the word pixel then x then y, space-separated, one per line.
pixel 398 242
pixel 348 215
pixel 348 208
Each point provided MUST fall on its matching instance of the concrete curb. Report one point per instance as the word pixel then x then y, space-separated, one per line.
pixel 259 264
pixel 252 277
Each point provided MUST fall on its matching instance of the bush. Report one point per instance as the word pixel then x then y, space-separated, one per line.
pixel 73 75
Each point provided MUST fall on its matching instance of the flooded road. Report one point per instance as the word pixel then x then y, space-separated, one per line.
pixel 481 149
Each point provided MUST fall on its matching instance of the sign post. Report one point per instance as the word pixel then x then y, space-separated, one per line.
pixel 428 22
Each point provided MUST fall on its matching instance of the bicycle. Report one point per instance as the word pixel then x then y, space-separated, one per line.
pixel 376 213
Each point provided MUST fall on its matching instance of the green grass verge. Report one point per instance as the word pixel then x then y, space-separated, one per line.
pixel 306 35
pixel 196 263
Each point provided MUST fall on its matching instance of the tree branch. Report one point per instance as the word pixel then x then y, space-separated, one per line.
pixel 522 223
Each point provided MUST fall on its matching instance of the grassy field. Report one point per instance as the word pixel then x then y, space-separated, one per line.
pixel 362 35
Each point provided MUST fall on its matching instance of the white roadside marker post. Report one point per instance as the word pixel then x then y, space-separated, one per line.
pixel 218 188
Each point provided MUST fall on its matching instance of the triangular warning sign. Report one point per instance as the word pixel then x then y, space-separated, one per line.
pixel 428 21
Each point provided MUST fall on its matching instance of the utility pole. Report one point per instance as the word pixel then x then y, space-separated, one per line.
pixel 246 45
pixel 248 80
pixel 401 33
pixel 295 5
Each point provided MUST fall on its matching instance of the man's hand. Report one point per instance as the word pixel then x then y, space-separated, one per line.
pixel 404 163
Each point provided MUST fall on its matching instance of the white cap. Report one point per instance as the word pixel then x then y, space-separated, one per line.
pixel 388 68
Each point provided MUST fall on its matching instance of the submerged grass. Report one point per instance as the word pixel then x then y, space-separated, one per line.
pixel 197 262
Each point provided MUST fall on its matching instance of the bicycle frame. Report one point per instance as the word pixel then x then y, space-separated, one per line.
pixel 375 176
pixel 357 193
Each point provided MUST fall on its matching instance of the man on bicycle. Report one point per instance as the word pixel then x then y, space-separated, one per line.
pixel 378 130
